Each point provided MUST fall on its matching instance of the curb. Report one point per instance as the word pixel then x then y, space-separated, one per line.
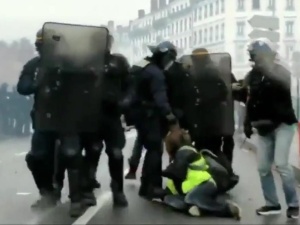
pixel 252 147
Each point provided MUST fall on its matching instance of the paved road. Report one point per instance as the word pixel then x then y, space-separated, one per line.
pixel 17 192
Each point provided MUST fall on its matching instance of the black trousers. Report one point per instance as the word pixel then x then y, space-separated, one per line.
pixel 136 154
pixel 113 135
pixel 228 147
pixel 40 159
pixel 151 132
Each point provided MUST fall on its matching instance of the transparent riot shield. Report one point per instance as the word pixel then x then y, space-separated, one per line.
pixel 70 77
pixel 209 108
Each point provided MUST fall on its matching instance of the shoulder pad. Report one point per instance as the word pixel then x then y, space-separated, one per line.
pixel 142 63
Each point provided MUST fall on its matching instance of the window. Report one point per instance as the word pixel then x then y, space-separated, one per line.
pixel 181 26
pixel 177 27
pixel 185 24
pixel 241 5
pixel 205 36
pixel 195 38
pixel 190 22
pixel 190 41
pixel 290 5
pixel 181 43
pixel 256 4
pixel 222 31
pixel 240 28
pixel 211 33
pixel 185 43
pixel 200 13
pixel 195 15
pixel 289 28
pixel 240 53
pixel 289 49
pixel 217 33
pixel 217 7
pixel 205 11
pixel 222 6
pixel 271 4
pixel 200 37
pixel 211 9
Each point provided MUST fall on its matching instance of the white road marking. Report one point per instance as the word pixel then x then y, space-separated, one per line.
pixel 102 199
pixel 20 154
pixel 23 193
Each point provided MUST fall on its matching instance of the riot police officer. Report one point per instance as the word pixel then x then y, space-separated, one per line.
pixel 40 158
pixel 115 87
pixel 153 114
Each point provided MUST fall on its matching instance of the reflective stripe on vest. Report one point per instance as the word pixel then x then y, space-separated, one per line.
pixel 196 174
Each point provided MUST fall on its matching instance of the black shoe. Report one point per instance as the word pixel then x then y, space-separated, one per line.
pixel 76 209
pixel 268 210
pixel 292 212
pixel 119 199
pixel 89 199
pixel 96 184
pixel 130 175
pixel 143 191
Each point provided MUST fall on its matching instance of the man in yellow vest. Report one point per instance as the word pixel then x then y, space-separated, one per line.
pixel 190 185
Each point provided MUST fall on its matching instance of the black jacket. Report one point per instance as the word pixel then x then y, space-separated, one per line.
pixel 269 96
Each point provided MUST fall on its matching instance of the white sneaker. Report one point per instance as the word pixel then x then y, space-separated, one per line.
pixel 194 211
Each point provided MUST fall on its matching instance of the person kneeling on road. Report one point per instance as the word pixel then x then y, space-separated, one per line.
pixel 190 186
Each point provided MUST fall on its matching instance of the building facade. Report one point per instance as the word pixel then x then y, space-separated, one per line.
pixel 218 25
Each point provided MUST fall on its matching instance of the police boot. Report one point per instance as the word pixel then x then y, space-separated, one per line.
pixel 47 200
pixel 93 175
pixel 89 198
pixel 115 165
pixel 119 198
pixel 143 191
pixel 57 191
pixel 131 175
pixel 76 208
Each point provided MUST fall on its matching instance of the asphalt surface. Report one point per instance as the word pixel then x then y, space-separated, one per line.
pixel 17 192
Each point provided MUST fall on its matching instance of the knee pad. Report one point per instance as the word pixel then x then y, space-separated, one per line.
pixel 115 153
pixel 70 152
pixel 96 148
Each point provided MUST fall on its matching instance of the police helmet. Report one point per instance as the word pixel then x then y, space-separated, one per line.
pixel 262 47
pixel 39 36
pixel 163 47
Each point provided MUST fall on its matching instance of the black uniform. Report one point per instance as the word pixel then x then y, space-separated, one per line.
pixel 152 109
pixel 115 87
pixel 40 158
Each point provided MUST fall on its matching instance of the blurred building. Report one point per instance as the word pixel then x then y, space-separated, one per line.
pixel 218 25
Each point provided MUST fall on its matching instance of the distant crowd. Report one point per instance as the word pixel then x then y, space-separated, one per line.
pixel 15 110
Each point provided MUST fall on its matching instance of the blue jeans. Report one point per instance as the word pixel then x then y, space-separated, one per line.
pixel 275 148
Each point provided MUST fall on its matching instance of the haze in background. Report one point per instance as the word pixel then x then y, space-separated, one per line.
pixel 22 18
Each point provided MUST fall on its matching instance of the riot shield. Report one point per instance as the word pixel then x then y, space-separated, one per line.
pixel 209 108
pixel 70 77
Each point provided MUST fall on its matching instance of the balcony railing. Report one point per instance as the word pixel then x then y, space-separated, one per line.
pixel 181 13
pixel 135 32
pixel 160 23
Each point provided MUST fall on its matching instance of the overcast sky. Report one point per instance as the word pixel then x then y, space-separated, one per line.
pixel 22 18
